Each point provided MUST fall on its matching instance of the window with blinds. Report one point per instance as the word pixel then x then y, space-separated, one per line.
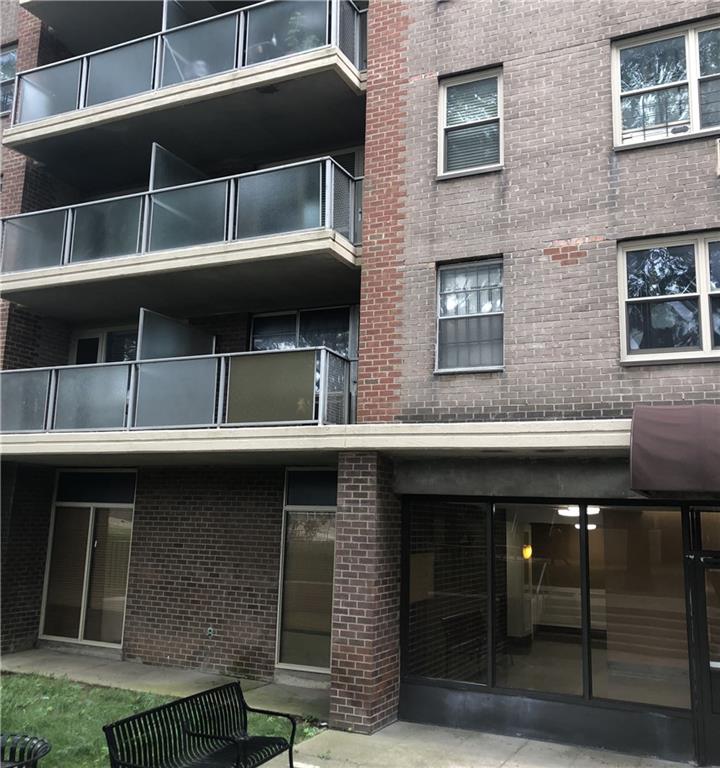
pixel 470 117
pixel 470 316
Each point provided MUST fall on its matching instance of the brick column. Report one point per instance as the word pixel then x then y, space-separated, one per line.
pixel 365 666
pixel 384 212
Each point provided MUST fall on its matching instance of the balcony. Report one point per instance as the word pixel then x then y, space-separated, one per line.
pixel 222 78
pixel 295 387
pixel 226 238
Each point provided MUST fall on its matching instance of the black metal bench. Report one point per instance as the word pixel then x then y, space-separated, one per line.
pixel 18 751
pixel 206 730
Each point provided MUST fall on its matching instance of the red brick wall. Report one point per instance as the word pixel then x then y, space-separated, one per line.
pixel 31 341
pixel 384 203
pixel 365 666
pixel 206 553
pixel 26 503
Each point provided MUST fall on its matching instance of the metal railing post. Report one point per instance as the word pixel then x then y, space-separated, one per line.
pixel 230 197
pixel 322 400
pixel 220 408
pixel 347 374
pixel 145 233
pixel 66 246
pixel 131 397
pixel 16 100
pixel 335 23
pixel 82 93
pixel 329 194
pixel 240 39
pixel 52 399
pixel 157 62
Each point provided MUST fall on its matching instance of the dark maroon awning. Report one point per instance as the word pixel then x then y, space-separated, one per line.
pixel 675 449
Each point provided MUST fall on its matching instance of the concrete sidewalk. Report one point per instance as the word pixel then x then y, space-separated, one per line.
pixel 168 681
pixel 402 745
pixel 407 745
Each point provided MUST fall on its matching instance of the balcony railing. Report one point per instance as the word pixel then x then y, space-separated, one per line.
pixel 292 198
pixel 243 38
pixel 289 387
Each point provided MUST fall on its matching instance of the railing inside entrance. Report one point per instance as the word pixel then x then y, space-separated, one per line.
pixel 312 194
pixel 235 40
pixel 288 387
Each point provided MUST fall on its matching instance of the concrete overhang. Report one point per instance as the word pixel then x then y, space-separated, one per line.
pixel 237 119
pixel 88 25
pixel 264 445
pixel 254 275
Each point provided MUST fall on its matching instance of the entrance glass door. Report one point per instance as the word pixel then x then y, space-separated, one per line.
pixel 87 573
pixel 706 582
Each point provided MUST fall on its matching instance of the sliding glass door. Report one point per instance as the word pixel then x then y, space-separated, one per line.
pixel 308 565
pixel 87 573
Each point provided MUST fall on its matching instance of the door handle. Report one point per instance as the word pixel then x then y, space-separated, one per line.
pixel 711 561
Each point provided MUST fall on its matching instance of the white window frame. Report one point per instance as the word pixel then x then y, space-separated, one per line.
pixel 703 294
pixel 353 327
pixel 445 83
pixel 92 506
pixel 692 55
pixel 4 83
pixel 455 265
pixel 331 510
pixel 96 333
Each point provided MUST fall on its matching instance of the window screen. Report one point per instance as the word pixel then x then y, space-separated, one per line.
pixel 470 316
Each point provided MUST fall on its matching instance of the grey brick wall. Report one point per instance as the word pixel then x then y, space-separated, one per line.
pixel 562 180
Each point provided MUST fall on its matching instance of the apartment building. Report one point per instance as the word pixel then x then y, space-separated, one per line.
pixel 376 345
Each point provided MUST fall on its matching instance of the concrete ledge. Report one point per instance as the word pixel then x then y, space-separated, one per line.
pixel 293 244
pixel 588 437
pixel 202 89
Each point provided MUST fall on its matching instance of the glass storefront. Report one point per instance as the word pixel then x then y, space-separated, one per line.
pixel 622 636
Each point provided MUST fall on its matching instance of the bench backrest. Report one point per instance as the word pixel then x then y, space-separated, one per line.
pixel 158 737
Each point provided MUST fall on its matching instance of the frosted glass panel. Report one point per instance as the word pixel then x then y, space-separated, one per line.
pixel 91 398
pixel 23 395
pixel 166 337
pixel 287 200
pixel 106 229
pixel 49 91
pixel 282 28
pixel 271 387
pixel 120 72
pixel 188 216
pixel 199 51
pixel 176 393
pixel 33 242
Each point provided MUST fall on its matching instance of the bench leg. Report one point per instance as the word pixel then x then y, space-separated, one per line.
pixel 290 759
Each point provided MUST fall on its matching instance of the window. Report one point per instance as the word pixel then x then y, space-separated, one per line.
pixel 105 346
pixel 667 85
pixel 470 316
pixel 8 68
pixel 470 123
pixel 307 328
pixel 671 293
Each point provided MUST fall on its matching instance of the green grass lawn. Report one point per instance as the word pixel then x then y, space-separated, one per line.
pixel 71 716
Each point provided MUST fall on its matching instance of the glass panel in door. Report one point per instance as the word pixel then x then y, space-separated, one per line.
pixel 66 576
pixel 108 575
pixel 307 589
